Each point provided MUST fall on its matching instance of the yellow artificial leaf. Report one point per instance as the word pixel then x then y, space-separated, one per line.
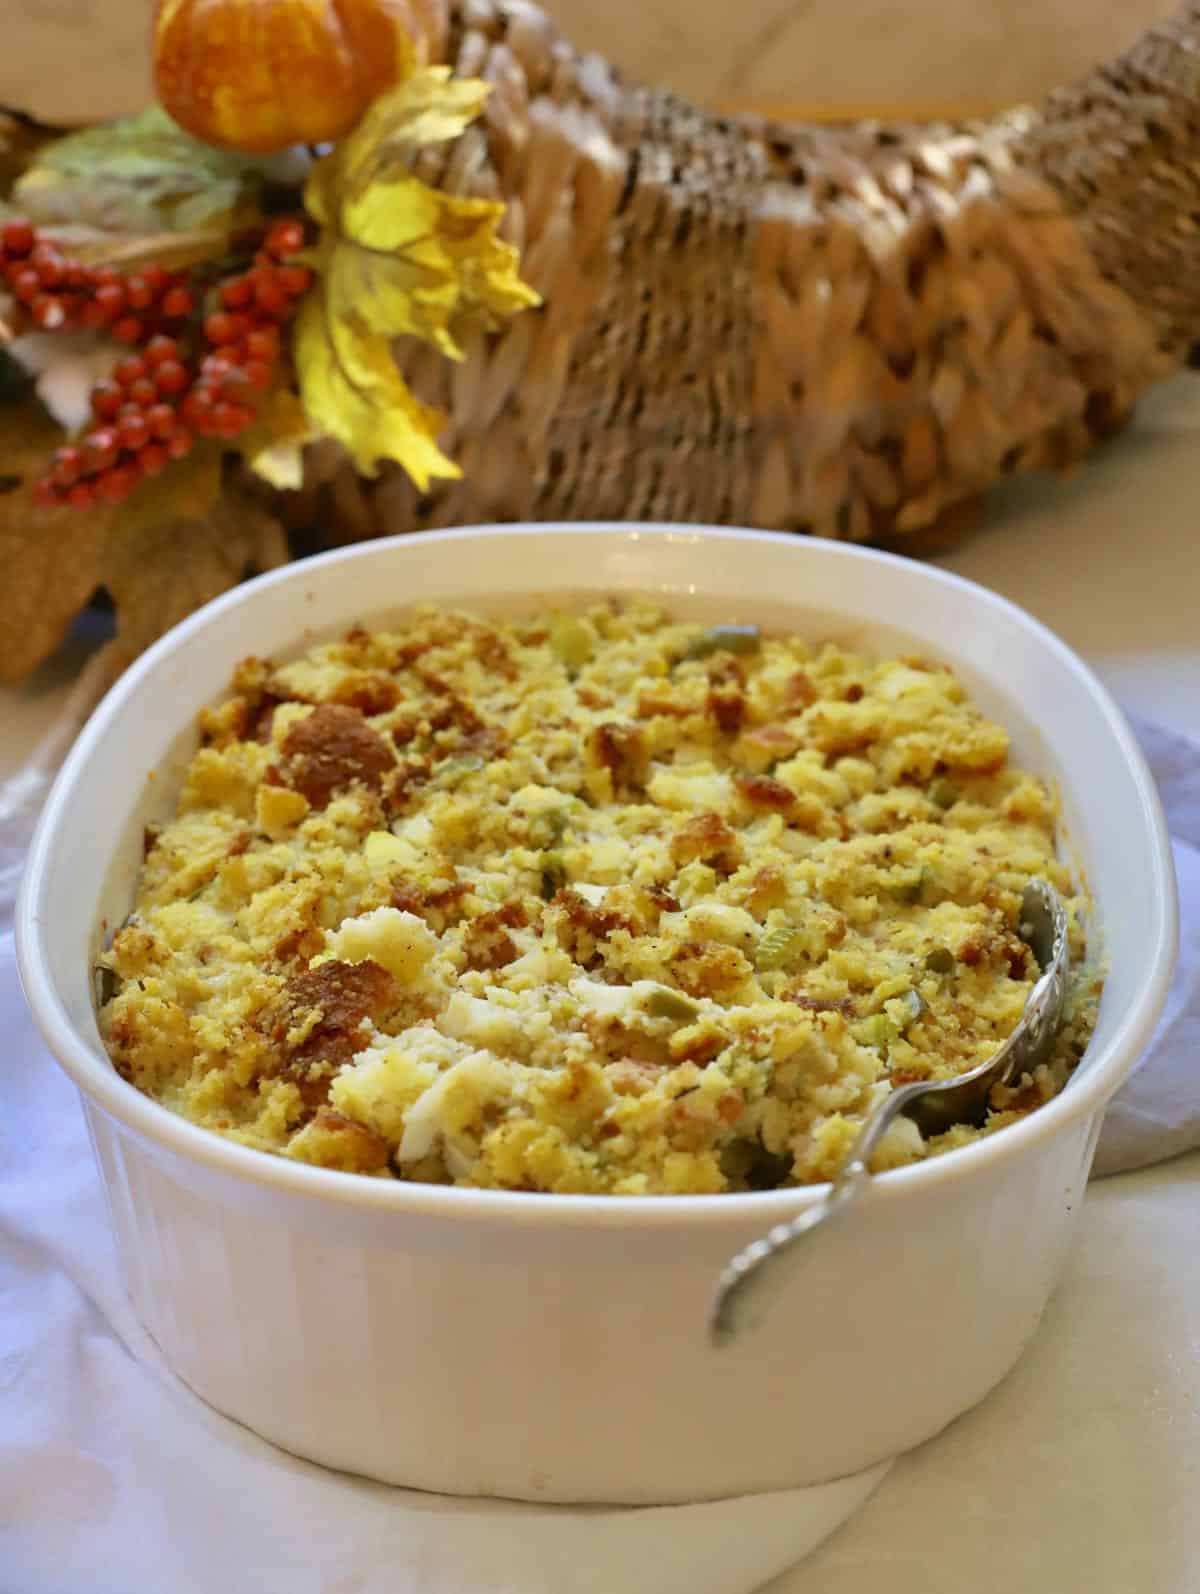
pixel 397 259
pixel 274 446
pixel 428 107
pixel 354 393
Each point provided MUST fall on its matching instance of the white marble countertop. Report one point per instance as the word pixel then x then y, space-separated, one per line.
pixel 1083 1470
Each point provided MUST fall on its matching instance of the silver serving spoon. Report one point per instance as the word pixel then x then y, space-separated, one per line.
pixel 758 1274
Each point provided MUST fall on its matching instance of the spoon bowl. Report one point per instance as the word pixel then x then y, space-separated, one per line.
pixel 758 1274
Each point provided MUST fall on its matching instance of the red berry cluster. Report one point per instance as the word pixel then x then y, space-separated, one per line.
pixel 135 432
pixel 60 294
pixel 243 336
pixel 198 380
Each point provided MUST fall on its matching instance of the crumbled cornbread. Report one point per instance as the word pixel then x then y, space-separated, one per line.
pixel 587 902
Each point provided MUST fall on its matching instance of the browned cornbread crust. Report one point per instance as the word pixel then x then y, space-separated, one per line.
pixel 597 902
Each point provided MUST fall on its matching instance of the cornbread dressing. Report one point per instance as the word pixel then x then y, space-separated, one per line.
pixel 595 901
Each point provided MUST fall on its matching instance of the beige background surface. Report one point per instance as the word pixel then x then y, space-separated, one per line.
pixel 76 59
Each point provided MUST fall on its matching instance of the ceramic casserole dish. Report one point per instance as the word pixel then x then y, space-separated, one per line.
pixel 555 1347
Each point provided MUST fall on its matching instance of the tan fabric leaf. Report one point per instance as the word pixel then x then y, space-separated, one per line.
pixel 51 560
pixel 178 541
pixel 161 571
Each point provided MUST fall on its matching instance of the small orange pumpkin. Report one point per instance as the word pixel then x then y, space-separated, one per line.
pixel 260 75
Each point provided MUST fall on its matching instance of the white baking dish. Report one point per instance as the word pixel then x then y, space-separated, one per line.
pixel 554 1347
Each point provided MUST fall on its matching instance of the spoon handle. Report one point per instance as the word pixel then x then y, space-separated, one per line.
pixel 753 1278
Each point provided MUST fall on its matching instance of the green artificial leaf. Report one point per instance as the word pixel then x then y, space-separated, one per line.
pixel 140 175
pixel 397 258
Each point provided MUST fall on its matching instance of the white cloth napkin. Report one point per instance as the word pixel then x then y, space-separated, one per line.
pixel 1157 1114
pixel 115 1479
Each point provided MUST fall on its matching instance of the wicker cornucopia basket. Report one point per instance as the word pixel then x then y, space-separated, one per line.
pixel 850 332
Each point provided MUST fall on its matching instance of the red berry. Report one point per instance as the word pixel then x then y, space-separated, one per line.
pixel 171 377
pixel 143 392
pixel 177 303
pixel 110 296
pixel 139 293
pixel 107 399
pixel 214 369
pixel 18 238
pixel 93 316
pixel 197 406
pixel 294 280
pixel 221 327
pixel 129 370
pixel 285 237
pixel 234 383
pixel 49 312
pixel 160 349
pixel 237 293
pixel 133 432
pixel 211 423
pixel 67 465
pixel 45 494
pixel 257 373
pixel 157 278
pixel 269 296
pixel 262 343
pixel 116 485
pixel 161 420
pixel 99 449
pixel 128 329
pixel 27 285
pixel 230 419
pixel 49 265
pixel 81 496
pixel 75 276
pixel 152 459
pixel 179 444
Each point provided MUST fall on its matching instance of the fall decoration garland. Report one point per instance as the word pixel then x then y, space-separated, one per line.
pixel 516 287
pixel 394 258
pixel 141 240
pixel 186 383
